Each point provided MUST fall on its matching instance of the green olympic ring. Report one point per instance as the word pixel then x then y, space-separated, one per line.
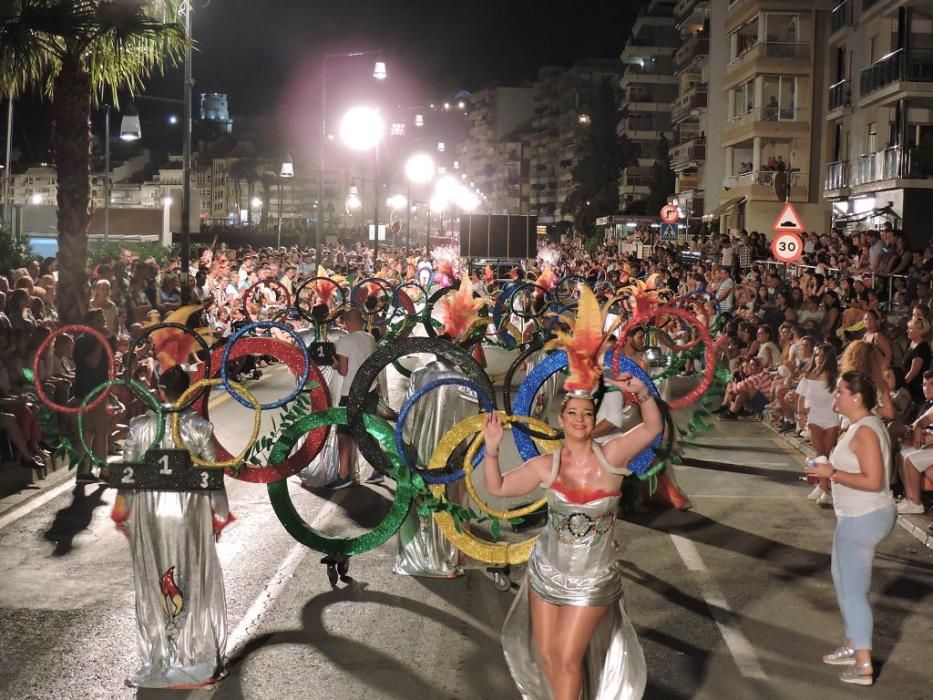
pixel 298 528
pixel 139 390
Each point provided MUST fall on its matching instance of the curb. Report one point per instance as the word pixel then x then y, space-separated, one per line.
pixel 919 532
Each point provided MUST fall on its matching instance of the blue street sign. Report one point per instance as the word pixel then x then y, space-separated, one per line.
pixel 668 233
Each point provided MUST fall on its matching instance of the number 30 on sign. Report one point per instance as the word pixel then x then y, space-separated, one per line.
pixel 787 247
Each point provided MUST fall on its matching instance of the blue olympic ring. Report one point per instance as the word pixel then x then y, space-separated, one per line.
pixel 299 387
pixel 553 363
pixel 428 476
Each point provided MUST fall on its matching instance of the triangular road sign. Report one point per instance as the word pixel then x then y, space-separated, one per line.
pixel 788 220
pixel 668 233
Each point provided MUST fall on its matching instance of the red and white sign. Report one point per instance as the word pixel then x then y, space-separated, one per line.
pixel 787 247
pixel 788 221
pixel 669 214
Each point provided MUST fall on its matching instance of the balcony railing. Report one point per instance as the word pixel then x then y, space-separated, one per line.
pixel 774 49
pixel 769 113
pixel 694 98
pixel 916 66
pixel 837 175
pixel 696 45
pixel 763 178
pixel 840 95
pixel 843 15
pixel 889 164
pixel 689 152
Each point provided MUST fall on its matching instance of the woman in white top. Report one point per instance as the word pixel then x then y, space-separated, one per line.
pixel 816 388
pixel 859 468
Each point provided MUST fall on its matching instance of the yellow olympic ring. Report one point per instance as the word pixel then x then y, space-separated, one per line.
pixel 257 419
pixel 497 553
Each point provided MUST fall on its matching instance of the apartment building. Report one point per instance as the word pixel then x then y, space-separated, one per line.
pixel 649 87
pixel 774 86
pixel 697 155
pixel 562 101
pixel 495 156
pixel 878 135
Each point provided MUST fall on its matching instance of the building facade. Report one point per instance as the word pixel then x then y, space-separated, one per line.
pixel 649 87
pixel 878 134
pixel 774 86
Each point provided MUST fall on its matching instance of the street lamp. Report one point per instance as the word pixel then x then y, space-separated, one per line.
pixel 287 171
pixel 130 130
pixel 379 73
pixel 419 169
pixel 361 129
pixel 35 199
pixel 166 221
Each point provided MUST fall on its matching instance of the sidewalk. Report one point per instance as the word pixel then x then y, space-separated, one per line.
pixel 916 525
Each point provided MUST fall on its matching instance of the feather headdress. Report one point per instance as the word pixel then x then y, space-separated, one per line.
pixel 583 345
pixel 172 345
pixel 546 281
pixel 489 275
pixel 548 254
pixel 459 312
pixel 446 261
pixel 645 295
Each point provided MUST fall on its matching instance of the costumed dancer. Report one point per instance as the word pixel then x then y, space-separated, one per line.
pixel 181 614
pixel 567 635
pixel 422 548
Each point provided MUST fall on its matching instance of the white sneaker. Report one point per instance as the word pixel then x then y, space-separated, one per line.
pixel 824 500
pixel 905 507
pixel 815 493
pixel 805 433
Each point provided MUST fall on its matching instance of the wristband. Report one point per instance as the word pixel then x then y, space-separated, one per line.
pixel 647 397
pixel 492 454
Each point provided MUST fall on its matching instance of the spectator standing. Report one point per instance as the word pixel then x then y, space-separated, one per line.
pixel 91 371
pixel 725 292
pixel 917 359
pixel 916 455
pixel 816 388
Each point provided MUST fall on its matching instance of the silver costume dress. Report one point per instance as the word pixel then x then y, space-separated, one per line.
pixel 422 548
pixel 324 468
pixel 181 614
pixel 575 562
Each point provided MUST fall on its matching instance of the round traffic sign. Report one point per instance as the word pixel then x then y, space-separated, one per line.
pixel 787 247
pixel 669 214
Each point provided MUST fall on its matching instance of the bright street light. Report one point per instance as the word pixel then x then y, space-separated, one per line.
pixel 36 199
pixel 397 201
pixel 353 199
pixel 130 130
pixel 288 167
pixel 256 202
pixel 379 70
pixel 361 128
pixel 420 168
pixel 166 201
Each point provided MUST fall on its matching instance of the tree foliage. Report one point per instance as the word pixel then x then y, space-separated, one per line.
pixel 600 158
pixel 662 177
pixel 15 250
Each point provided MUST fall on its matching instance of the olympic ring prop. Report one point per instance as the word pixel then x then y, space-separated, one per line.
pixel 533 347
pixel 428 321
pixel 384 287
pixel 302 380
pixel 141 338
pixel 40 353
pixel 496 553
pixel 268 282
pixel 319 397
pixel 153 404
pixel 576 279
pixel 333 313
pixel 176 424
pixel 381 433
pixel 558 360
pixel 400 300
pixel 521 314
pixel 369 371
pixel 430 477
pixel 709 355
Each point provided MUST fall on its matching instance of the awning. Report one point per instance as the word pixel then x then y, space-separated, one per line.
pixel 724 208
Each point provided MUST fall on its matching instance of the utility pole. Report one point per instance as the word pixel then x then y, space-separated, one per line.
pixel 7 175
pixel 186 164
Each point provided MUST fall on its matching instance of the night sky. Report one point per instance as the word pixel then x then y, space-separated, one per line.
pixel 261 52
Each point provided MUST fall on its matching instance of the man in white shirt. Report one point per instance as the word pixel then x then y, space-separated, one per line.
pixel 353 349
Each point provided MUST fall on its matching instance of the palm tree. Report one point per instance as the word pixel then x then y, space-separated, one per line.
pixel 75 51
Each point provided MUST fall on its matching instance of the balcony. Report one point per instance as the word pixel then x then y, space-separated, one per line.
pixel 892 163
pixel 840 95
pixel 692 100
pixel 696 45
pixel 888 78
pixel 759 185
pixel 688 155
pixel 770 122
pixel 837 176
pixel 769 57
pixel 843 16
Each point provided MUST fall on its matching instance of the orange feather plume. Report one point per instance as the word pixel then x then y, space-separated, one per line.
pixel 645 294
pixel 488 274
pixel 583 344
pixel 459 311
pixel 547 280
pixel 172 345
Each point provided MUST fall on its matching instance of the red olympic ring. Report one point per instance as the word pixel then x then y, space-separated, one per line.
pixel 111 369
pixel 709 370
pixel 294 359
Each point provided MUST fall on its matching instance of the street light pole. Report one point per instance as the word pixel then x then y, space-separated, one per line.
pixel 7 209
pixel 186 164
pixel 408 223
pixel 376 211
pixel 320 191
pixel 106 173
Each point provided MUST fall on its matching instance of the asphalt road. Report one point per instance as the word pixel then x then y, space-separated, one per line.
pixel 730 600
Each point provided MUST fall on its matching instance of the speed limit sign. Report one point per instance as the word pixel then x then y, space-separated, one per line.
pixel 787 247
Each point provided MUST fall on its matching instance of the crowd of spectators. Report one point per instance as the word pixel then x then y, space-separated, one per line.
pixel 863 297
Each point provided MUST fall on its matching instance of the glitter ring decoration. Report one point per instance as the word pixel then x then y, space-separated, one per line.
pixel 384 287
pixel 313 283
pixel 40 352
pixel 268 282
pixel 317 393
pixel 369 371
pixel 435 476
pixel 176 424
pixel 302 379
pixel 141 338
pixel 139 390
pixel 296 526
pixel 533 347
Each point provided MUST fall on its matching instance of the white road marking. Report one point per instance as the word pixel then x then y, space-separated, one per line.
pixel 741 649
pixel 37 502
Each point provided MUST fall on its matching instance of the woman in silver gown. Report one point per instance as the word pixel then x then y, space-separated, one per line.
pixel 181 613
pixel 567 632
pixel 422 548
